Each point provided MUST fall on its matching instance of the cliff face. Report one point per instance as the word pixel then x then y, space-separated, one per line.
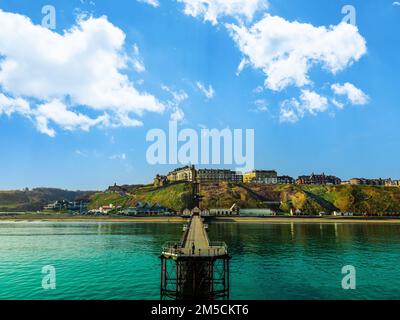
pixel 281 198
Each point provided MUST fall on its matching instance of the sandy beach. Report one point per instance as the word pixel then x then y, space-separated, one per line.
pixel 240 219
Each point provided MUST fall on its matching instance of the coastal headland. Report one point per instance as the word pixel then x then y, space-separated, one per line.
pixel 367 202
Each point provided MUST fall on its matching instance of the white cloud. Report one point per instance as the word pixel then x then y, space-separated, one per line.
pixel 121 157
pixel 174 104
pixel 57 112
pixel 353 94
pixel 289 111
pixel 309 102
pixel 396 3
pixel 212 10
pixel 337 104
pixel 82 66
pixel 313 102
pixel 285 51
pixel 261 105
pixel 208 92
pixel 177 115
pixel 258 90
pixel 81 153
pixel 10 105
pixel 153 3
pixel 137 61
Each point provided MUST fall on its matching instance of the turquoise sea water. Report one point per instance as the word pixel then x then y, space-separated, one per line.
pixel 278 261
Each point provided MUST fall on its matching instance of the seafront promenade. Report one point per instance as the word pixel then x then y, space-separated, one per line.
pixel 177 219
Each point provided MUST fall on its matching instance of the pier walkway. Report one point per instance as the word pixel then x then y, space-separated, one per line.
pixel 195 243
pixel 195 268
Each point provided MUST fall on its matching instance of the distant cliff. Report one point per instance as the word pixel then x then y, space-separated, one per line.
pixel 35 199
pixel 281 198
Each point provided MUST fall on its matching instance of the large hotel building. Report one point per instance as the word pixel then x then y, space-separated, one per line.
pixel 187 173
pixel 215 175
pixel 261 177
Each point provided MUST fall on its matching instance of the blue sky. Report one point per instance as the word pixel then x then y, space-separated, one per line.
pixel 97 138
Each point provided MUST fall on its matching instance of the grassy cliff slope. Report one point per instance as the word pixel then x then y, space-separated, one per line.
pixel 178 196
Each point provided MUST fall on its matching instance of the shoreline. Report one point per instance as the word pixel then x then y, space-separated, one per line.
pixel 177 219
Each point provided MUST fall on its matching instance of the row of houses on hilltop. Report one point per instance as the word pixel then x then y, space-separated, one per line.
pixel 190 174
pixel 373 182
pixel 319 179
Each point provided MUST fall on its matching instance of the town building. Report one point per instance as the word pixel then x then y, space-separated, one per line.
pixel 232 211
pixel 318 179
pixel 143 209
pixel 196 211
pixel 160 181
pixel 261 177
pixel 218 175
pixel 368 182
pixel 64 205
pixel 187 173
pixel 285 180
pixel 392 183
pixel 108 209
pixel 121 190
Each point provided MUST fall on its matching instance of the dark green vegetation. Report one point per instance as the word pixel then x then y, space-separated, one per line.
pixel 178 196
pixel 35 199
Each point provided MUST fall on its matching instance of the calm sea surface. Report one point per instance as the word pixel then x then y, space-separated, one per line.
pixel 278 261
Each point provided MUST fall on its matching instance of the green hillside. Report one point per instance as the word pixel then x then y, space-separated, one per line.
pixel 35 199
pixel 175 196
pixel 178 196
pixel 282 198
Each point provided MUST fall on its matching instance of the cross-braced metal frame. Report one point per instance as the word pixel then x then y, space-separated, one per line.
pixel 186 278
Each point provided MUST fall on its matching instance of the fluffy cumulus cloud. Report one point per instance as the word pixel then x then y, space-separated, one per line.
pixel 286 51
pixel 354 95
pixel 9 105
pixel 58 113
pixel 83 66
pixel 309 102
pixel 212 10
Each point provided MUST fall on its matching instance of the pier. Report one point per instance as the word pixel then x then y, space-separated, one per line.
pixel 195 267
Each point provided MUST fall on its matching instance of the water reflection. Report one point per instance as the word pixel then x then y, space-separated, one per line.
pixel 270 261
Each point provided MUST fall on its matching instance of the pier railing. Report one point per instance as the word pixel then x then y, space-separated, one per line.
pixel 174 249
